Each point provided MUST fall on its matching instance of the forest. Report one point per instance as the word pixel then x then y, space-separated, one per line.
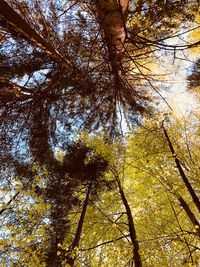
pixel 99 133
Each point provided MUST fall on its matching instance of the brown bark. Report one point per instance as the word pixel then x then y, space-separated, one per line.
pixel 132 231
pixel 189 213
pixel 181 171
pixel 10 19
pixel 185 207
pixel 112 16
pixel 77 236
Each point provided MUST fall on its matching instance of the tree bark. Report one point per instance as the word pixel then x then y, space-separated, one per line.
pixel 186 208
pixel 189 213
pixel 132 231
pixel 181 171
pixel 75 243
pixel 113 16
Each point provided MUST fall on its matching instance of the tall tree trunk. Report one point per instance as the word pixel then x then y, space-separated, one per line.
pixel 112 16
pixel 189 213
pixel 75 244
pixel 132 231
pixel 185 207
pixel 181 171
pixel 10 19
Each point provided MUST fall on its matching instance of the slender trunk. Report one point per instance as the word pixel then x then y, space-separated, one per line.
pixel 10 19
pixel 75 244
pixel 132 231
pixel 185 206
pixel 189 213
pixel 181 171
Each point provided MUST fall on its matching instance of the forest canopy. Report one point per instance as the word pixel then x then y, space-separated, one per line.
pixel 99 164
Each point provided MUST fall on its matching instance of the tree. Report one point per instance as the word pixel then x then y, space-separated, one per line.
pixel 164 215
pixel 136 257
pixel 109 95
pixel 68 66
pixel 148 197
pixel 181 171
pixel 156 181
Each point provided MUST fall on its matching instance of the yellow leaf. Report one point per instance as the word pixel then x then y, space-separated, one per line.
pixel 114 225
pixel 75 248
pixel 125 252
pixel 73 255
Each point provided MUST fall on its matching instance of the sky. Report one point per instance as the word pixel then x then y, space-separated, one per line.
pixel 178 97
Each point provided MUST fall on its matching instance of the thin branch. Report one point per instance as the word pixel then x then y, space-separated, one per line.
pixel 9 202
pixel 106 242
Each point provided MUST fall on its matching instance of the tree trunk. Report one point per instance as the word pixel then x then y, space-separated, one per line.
pixel 189 213
pixel 181 171
pixel 112 16
pixel 132 231
pixel 185 206
pixel 75 243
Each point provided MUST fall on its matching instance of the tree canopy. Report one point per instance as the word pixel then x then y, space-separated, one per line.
pixel 97 167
